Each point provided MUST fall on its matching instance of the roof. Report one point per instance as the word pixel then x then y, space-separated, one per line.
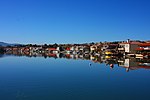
pixel 68 48
pixel 113 44
pixel 139 49
pixel 130 43
pixel 51 48
pixel 138 43
pixel 142 48
pixel 144 44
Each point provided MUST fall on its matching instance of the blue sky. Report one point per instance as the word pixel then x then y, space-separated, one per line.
pixel 73 21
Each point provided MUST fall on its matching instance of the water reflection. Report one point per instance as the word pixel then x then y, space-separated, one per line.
pixel 37 77
pixel 127 63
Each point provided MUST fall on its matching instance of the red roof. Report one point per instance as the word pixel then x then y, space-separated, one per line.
pixel 144 44
pixel 15 48
pixel 142 49
pixel 68 49
pixel 51 49
pixel 139 49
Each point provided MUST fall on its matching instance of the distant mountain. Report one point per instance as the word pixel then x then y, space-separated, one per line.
pixel 3 44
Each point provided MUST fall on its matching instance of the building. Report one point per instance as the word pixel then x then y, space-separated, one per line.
pixel 109 49
pixel 144 48
pixel 52 50
pixel 128 47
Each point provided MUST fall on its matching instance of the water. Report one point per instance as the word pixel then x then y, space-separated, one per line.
pixel 37 78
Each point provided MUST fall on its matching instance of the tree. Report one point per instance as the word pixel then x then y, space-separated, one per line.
pixel 45 46
pixel 35 45
pixel 55 45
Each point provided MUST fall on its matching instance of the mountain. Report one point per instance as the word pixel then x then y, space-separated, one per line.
pixel 3 44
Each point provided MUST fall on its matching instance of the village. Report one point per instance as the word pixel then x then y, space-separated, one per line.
pixel 129 48
pixel 128 54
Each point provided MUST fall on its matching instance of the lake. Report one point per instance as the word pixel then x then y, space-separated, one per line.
pixel 39 78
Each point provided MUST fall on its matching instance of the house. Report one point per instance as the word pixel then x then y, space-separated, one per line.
pixel 72 48
pixel 143 46
pixel 35 49
pixel 128 47
pixel 144 49
pixel 86 49
pixel 26 49
pixel 68 50
pixel 109 49
pixel 52 50
pixel 15 49
pixel 8 49
pixel 134 48
pixel 93 48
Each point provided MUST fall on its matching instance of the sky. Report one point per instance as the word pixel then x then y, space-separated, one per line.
pixel 73 21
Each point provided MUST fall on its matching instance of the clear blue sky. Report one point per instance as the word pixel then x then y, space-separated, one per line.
pixel 73 21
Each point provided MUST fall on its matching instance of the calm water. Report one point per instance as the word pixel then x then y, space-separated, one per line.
pixel 24 78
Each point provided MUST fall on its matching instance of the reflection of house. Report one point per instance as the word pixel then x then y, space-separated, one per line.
pixel 144 65
pixel 81 56
pixel 68 56
pixel 133 64
pixel 26 49
pixel 52 55
pixel 72 56
pixel 87 56
pixel 128 64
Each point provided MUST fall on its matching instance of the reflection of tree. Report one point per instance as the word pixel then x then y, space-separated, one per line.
pixel 1 55
pixel 2 51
